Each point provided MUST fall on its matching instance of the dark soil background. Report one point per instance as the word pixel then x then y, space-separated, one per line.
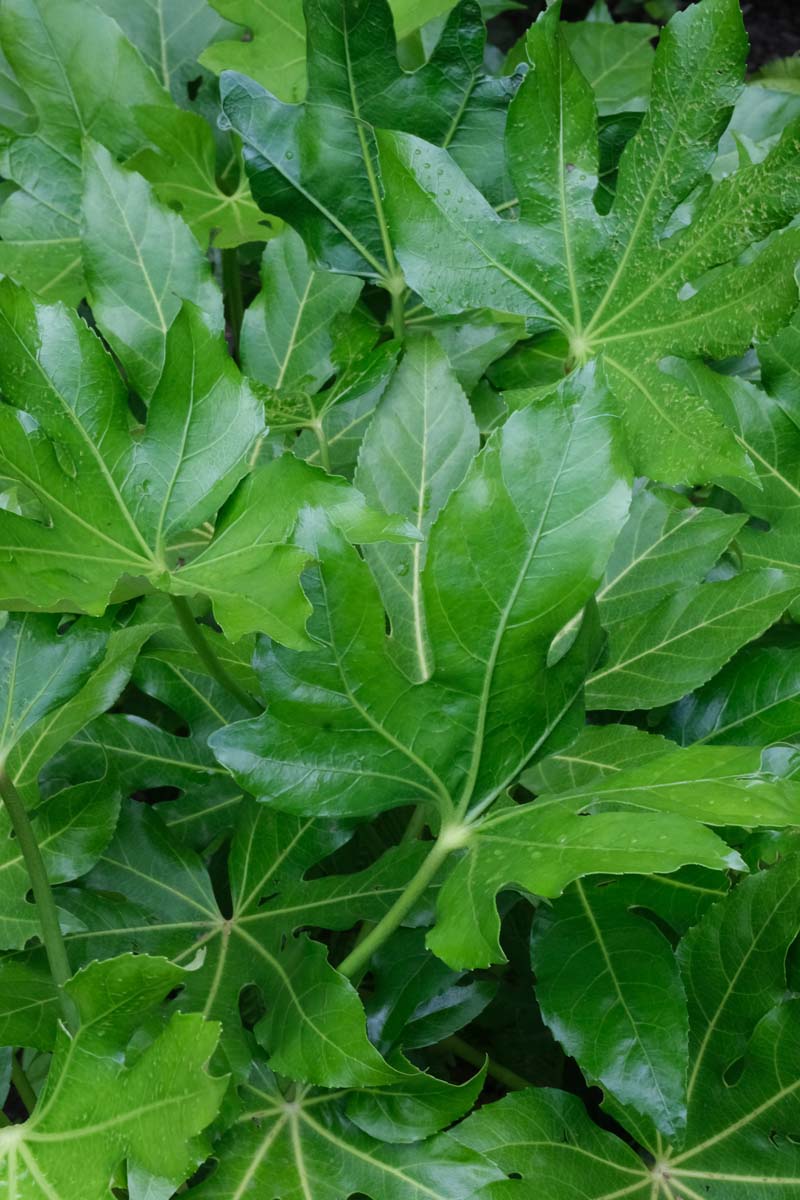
pixel 773 25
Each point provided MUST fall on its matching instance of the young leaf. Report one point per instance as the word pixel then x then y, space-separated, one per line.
pixel 659 655
pixel 97 1110
pixel 288 330
pixel 140 261
pixel 626 285
pixel 275 53
pixel 415 453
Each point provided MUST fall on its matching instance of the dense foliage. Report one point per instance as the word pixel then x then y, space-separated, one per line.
pixel 400 667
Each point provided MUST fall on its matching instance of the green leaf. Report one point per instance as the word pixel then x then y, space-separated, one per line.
pixel 275 53
pixel 288 332
pixel 85 85
pixel 181 164
pixel 721 785
pixel 140 261
pixel 599 752
pixel 415 453
pixel 616 59
pixel 308 1147
pixel 314 164
pixel 545 1138
pixel 540 848
pixel 666 543
pixel 659 655
pixel 314 1025
pixel 753 701
pixel 170 35
pixel 610 992
pixel 345 733
pixel 249 546
pixel 639 284
pixel 135 755
pixel 99 1110
pixel 115 503
pixel 764 426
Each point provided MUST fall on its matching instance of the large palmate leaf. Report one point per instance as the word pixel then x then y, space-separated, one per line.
pixel 636 285
pixel 314 163
pixel 346 733
pixel 99 1110
pixel 86 84
pixel 743 1076
pixel 307 1147
pixel 313 1024
pixel 118 505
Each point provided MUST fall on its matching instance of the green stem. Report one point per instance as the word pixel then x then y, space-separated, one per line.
pixel 361 953
pixel 232 292
pixel 398 313
pixel 23 1085
pixel 508 1078
pixel 208 656
pixel 45 904
pixel 324 448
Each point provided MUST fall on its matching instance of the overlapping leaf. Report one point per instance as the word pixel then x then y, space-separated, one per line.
pixel 631 285
pixel 117 505
pixel 99 1110
pixel 314 163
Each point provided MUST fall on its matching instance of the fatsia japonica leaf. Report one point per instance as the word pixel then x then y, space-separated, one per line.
pixel 666 543
pixel 753 701
pixel 722 785
pixel 86 84
pixel 170 35
pixel 657 656
pixel 313 1023
pixel 630 284
pixel 41 671
pixel 307 1147
pixel 609 989
pixel 766 426
pixel 415 453
pixel 742 1077
pixel 119 505
pixel 345 732
pixel 136 755
pixel 99 1108
pixel 140 262
pixel 274 54
pixel 315 163
pixel 181 162
pixel 599 752
pixel 288 332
